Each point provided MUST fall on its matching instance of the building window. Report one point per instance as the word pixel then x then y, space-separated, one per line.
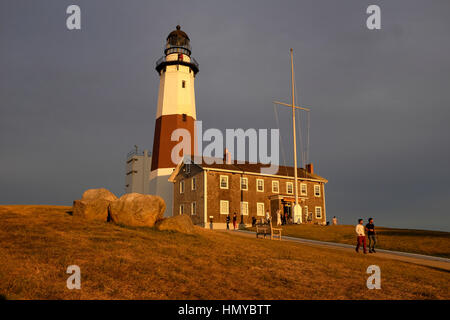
pixel 182 186
pixel 244 208
pixel 223 182
pixel 194 184
pixel 187 167
pixel 181 208
pixel 244 184
pixel 318 212
pixel 224 207
pixel 184 117
pixel 317 190
pixel 193 208
pixel 183 84
pixel 303 189
pixel 260 209
pixel 289 188
pixel 259 185
pixel 275 187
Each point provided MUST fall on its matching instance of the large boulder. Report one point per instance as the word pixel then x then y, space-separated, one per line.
pixel 181 223
pixel 135 209
pixel 94 204
pixel 95 194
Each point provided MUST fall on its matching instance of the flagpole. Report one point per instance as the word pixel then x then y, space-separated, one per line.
pixel 295 142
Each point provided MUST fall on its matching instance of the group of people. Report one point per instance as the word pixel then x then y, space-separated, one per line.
pixel 282 218
pixel 234 221
pixel 361 235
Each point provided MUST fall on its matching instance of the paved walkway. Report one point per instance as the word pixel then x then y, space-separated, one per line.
pixel 430 261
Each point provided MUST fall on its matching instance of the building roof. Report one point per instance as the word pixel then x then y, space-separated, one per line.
pixel 251 168
pixel 178 37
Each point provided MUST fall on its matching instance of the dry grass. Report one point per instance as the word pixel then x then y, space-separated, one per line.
pixel 434 243
pixel 38 243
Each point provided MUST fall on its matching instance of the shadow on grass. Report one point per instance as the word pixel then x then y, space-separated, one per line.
pixel 154 230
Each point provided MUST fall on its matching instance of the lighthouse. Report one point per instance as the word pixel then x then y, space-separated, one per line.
pixel 175 110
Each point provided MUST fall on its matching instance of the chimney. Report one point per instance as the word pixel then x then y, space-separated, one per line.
pixel 310 168
pixel 226 156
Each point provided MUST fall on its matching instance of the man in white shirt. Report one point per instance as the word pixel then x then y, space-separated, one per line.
pixel 278 217
pixel 361 236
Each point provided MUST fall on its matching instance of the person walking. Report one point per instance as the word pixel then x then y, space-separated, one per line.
pixel 267 217
pixel 228 222
pixel 361 236
pixel 334 221
pixel 234 220
pixel 370 227
pixel 278 217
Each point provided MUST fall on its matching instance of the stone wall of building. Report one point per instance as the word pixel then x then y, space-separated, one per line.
pixel 235 195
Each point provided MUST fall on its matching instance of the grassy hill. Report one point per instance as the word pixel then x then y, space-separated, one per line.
pixel 37 243
pixel 433 243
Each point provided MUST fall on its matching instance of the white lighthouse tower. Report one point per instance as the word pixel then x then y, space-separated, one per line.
pixel 176 109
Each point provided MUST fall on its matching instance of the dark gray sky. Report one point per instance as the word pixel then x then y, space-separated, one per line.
pixel 73 103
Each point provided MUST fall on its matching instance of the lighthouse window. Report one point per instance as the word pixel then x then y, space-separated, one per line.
pixel 183 84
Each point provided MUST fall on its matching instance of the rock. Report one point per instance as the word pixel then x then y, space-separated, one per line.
pixel 94 204
pixel 181 223
pixel 135 209
pixel 91 209
pixel 95 194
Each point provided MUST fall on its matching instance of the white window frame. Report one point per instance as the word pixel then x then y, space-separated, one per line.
pixel 220 182
pixel 287 188
pixel 194 183
pixel 278 186
pixel 246 184
pixel 320 192
pixel 181 209
pixel 193 208
pixel 315 212
pixel 257 206
pixel 228 207
pixel 257 189
pixel 244 204
pixel 181 186
pixel 306 189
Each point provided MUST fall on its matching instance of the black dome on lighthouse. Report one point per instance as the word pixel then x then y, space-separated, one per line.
pixel 178 42
pixel 178 37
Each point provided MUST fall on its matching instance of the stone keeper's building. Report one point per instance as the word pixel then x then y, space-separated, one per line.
pixel 212 191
